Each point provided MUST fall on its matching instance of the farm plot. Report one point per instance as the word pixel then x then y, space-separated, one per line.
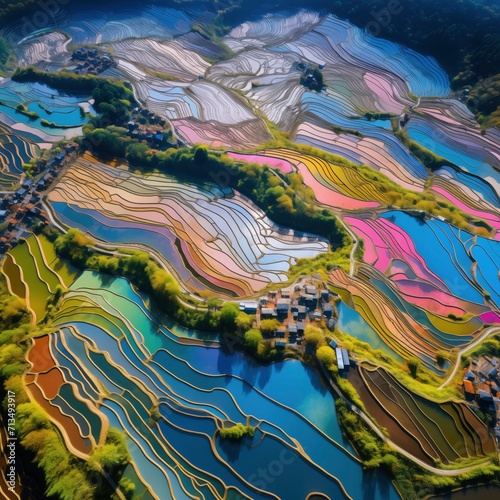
pixel 246 135
pixel 67 113
pixel 14 151
pixel 271 30
pixel 220 240
pixel 373 152
pixel 446 432
pixel 334 185
pixel 446 129
pixel 168 57
pixel 391 251
pixel 253 68
pixel 93 25
pixel 466 200
pixel 33 274
pixel 194 42
pixel 42 49
pixel 459 258
pixel 62 397
pixel 201 112
pixel 334 41
pixel 399 318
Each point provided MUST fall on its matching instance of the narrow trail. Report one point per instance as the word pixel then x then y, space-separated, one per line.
pixel 355 240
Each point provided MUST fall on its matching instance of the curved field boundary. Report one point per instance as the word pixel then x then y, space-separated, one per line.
pixel 14 151
pixel 396 328
pixel 336 178
pixel 45 273
pixel 383 437
pixel 14 276
pixel 50 379
pixel 37 290
pixel 423 416
pixel 460 439
pixel 229 240
pixel 368 151
pixel 399 413
pixel 64 270
pixel 77 444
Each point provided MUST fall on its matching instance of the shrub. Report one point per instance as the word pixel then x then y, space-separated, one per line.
pixel 326 355
pixel 253 338
pixel 268 326
pixel 313 337
pixel 228 314
pixel 237 431
pixel 413 364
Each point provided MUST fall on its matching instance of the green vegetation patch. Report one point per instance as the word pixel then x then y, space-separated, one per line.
pixel 429 159
pixel 236 432
pixel 484 101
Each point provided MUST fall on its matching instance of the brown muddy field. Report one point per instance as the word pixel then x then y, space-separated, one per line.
pixel 396 432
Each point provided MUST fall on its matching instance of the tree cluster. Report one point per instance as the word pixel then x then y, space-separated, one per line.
pixel 312 79
pixel 237 431
pixel 484 101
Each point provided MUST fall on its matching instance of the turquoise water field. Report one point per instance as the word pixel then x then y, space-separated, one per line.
pixel 121 346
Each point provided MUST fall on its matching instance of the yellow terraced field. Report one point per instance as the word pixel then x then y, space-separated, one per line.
pixel 341 179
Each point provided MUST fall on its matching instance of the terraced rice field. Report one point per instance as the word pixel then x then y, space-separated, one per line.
pixel 361 72
pixel 392 251
pixel 469 192
pixel 338 42
pixel 170 58
pixel 121 362
pixel 63 399
pixel 202 112
pixel 34 272
pixel 450 252
pixel 46 48
pixel 210 237
pixel 334 185
pixel 14 151
pixel 412 287
pixel 405 331
pixel 448 128
pixel 433 432
pixel 382 153
pixel 109 362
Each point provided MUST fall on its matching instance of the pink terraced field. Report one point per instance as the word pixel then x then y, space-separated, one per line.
pixel 391 251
